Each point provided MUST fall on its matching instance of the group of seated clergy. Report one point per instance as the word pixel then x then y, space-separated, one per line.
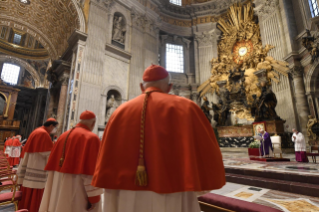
pixel 158 153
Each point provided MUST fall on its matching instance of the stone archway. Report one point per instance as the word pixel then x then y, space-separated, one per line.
pixel 312 77
pixel 27 66
pixel 312 88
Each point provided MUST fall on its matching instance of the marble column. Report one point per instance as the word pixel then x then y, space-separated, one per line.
pixel 301 99
pixel 62 103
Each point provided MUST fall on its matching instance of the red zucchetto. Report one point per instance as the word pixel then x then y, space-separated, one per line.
pixel 86 115
pixel 154 73
pixel 51 120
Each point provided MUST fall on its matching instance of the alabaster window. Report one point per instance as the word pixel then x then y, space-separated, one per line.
pixel 174 58
pixel 16 39
pixel 10 73
pixel 176 2
pixel 25 1
pixel 313 4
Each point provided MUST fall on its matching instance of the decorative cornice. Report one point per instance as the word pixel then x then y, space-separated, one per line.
pixel 266 8
pixel 142 22
pixel 118 51
pixel 22 52
pixel 189 15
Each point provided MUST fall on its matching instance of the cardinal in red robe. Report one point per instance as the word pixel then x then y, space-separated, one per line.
pixel 70 170
pixel 158 152
pixel 31 173
pixel 14 150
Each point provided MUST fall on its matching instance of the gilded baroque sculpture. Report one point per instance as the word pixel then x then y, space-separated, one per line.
pixel 311 122
pixel 241 55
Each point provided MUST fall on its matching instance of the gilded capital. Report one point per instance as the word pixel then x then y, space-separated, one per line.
pixel 205 38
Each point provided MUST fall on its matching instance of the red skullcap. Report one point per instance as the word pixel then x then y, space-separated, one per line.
pixel 51 120
pixel 154 73
pixel 86 115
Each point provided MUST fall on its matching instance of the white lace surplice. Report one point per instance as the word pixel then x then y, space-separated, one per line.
pixel 68 193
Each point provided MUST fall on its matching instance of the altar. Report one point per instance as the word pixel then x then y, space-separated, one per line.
pixel 242 135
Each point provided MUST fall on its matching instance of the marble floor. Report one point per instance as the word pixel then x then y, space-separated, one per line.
pixel 277 199
pixel 283 201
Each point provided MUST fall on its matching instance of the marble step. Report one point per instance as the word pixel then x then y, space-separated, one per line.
pixel 297 177
pixel 275 184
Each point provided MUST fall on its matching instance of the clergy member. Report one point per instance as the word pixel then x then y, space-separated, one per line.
pixel 266 149
pixel 158 151
pixel 15 149
pixel 31 173
pixel 300 146
pixel 6 148
pixel 70 170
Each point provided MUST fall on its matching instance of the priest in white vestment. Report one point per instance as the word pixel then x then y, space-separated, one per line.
pixel 300 146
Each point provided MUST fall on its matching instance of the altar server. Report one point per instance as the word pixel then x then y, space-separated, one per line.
pixel 158 151
pixel 31 173
pixel 300 146
pixel 70 170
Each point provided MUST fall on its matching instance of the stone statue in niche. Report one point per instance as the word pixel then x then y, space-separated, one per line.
pixel 110 107
pixel 119 30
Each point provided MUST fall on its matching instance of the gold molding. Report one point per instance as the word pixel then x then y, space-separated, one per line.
pixel 8 105
pixel 22 52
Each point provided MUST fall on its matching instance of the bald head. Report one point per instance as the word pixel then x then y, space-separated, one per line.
pixel 163 84
pixel 90 123
pixel 294 130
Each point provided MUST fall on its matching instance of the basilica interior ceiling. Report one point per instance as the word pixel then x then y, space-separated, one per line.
pixel 51 22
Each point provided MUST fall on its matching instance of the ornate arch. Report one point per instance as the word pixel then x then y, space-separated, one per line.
pixel 27 66
pixel 311 77
pixel 81 17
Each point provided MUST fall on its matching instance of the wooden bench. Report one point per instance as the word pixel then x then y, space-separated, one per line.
pixel 217 203
pixel 312 154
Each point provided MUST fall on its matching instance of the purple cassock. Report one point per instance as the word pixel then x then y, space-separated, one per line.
pixel 265 144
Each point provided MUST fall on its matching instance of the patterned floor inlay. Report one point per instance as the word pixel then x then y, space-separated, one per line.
pixel 298 205
pixel 287 202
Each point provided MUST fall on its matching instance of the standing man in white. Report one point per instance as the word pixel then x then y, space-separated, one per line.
pixel 300 146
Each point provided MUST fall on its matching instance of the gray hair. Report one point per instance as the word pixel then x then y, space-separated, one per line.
pixel 158 83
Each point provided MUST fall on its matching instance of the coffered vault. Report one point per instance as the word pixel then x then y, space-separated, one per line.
pixel 49 21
